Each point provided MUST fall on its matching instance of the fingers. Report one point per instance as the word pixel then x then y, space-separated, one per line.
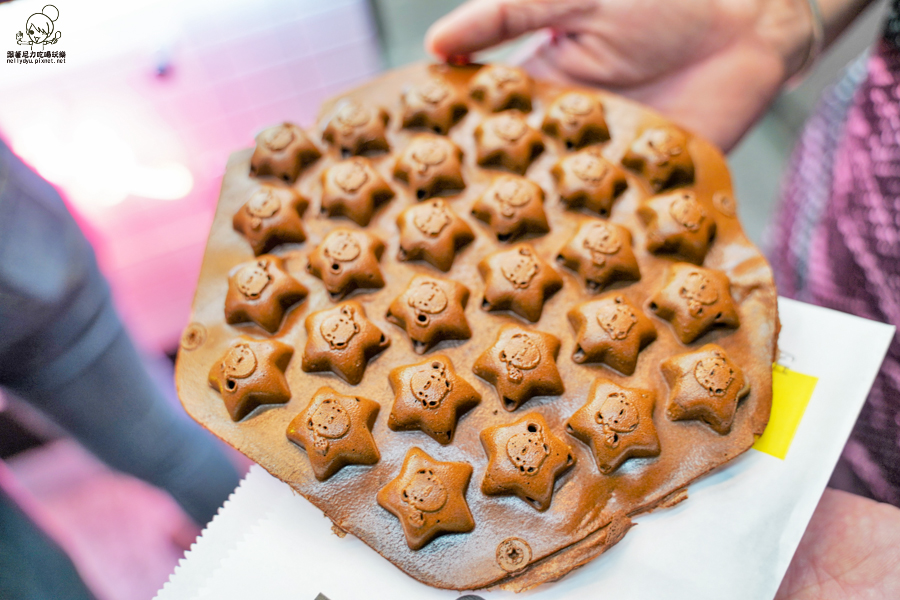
pixel 480 24
pixel 541 68
pixel 588 61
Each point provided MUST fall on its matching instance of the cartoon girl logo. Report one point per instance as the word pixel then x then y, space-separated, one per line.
pixel 40 30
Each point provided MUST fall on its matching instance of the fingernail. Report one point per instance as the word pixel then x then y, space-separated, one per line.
pixel 458 59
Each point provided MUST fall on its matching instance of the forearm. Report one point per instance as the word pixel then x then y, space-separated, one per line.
pixel 63 348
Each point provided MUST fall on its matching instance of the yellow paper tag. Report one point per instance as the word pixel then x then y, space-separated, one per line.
pixel 791 392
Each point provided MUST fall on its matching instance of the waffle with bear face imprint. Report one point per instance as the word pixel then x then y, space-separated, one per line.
pixel 481 320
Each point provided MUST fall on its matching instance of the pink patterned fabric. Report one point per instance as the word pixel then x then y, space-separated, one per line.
pixel 837 239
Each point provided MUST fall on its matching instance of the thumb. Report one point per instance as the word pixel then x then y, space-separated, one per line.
pixel 480 24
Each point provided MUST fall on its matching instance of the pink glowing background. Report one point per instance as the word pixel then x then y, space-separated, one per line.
pixel 136 127
pixel 135 130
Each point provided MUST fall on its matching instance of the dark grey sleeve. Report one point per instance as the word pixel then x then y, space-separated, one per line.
pixel 63 348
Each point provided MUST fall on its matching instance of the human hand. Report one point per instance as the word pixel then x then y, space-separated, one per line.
pixel 850 551
pixel 713 66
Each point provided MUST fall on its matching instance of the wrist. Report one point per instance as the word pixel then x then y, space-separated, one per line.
pixel 798 29
pixel 793 29
pixel 815 43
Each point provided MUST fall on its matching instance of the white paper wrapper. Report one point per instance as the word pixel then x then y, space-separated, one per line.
pixel 733 538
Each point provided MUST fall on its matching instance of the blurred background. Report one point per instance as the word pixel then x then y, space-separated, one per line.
pixel 135 129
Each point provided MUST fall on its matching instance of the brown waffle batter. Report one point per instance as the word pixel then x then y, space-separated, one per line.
pixel 647 456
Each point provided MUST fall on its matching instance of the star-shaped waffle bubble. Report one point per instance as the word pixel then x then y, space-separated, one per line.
pixel 610 330
pixel 678 223
pixel 283 151
pixel 601 254
pixel 251 374
pixel 432 104
pixel 346 260
pixel 428 497
pixel 524 459
pixel 353 188
pixel 431 165
pixel 704 385
pixel 521 364
pixel 617 423
pixel 342 340
pixel 430 396
pixel 261 291
pixel 431 231
pixel 518 279
pixel 576 119
pixel 506 140
pixel 661 155
pixel 355 128
pixel 586 179
pixel 695 300
pixel 431 310
pixel 270 217
pixel 512 206
pixel 499 87
pixel 336 431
